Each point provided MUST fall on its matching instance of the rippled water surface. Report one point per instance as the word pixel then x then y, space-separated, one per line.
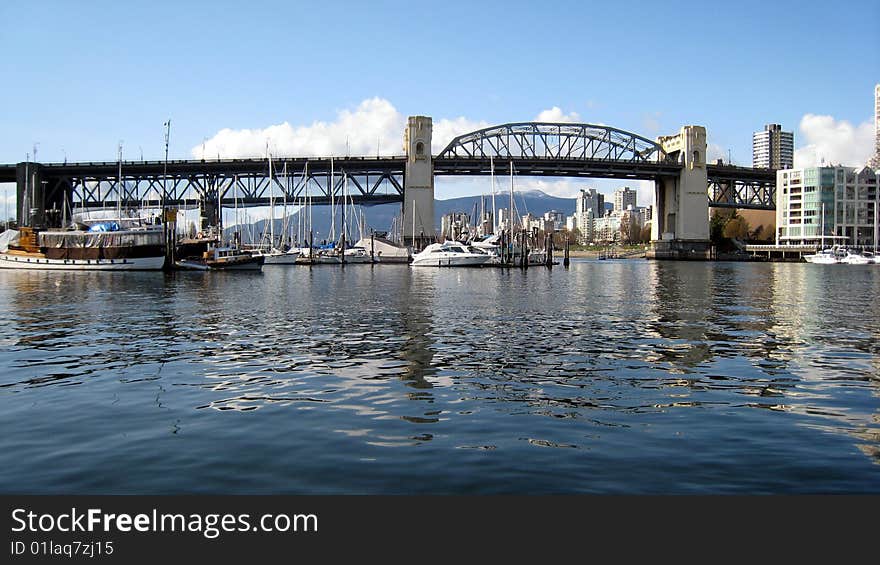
pixel 610 376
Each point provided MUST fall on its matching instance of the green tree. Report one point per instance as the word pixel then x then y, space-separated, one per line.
pixel 736 228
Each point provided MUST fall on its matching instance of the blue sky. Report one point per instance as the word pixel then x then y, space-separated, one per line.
pixel 81 76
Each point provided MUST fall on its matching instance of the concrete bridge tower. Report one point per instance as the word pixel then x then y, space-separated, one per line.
pixel 680 229
pixel 418 193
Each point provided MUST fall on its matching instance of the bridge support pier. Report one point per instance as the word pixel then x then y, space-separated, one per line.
pixel 418 184
pixel 680 228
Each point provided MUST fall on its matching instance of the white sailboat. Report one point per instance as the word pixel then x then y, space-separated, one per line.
pixel 276 255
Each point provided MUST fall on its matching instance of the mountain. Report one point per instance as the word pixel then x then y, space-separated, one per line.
pixel 379 218
pixel 533 201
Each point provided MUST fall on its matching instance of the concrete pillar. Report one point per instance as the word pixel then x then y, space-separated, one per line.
pixel 681 224
pixel 418 183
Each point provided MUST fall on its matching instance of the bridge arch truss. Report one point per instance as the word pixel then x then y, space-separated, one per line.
pixel 554 142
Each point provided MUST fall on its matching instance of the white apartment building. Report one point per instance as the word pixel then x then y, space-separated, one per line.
pixel 825 205
pixel 875 160
pixel 773 148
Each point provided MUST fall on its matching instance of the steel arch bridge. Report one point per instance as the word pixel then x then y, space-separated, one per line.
pixel 554 141
pixel 534 149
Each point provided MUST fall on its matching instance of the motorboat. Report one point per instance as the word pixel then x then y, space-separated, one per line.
pixel 824 257
pixel 223 258
pixel 853 258
pixel 450 254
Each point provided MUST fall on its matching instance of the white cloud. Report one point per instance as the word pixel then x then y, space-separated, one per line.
pixel 835 141
pixel 445 130
pixel 374 125
pixel 556 115
pixel 562 188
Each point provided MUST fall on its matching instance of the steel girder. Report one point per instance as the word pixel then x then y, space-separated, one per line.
pixel 245 182
pixel 741 187
pixel 554 142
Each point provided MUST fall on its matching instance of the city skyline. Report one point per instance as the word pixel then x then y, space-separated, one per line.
pixel 312 89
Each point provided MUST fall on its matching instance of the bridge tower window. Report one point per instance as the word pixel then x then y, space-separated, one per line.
pixel 420 148
pixel 696 157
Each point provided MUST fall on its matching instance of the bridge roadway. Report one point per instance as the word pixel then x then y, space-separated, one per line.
pixel 374 180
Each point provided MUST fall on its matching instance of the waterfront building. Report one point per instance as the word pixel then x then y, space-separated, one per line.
pixel 454 225
pixel 773 148
pixel 485 225
pixel 504 219
pixel 590 199
pixel 558 219
pixel 606 229
pixel 848 196
pixel 874 163
pixel 589 204
pixel 624 197
pixel 571 223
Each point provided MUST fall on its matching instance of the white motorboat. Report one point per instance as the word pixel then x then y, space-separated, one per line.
pixel 824 257
pixel 872 257
pixel 853 258
pixel 450 254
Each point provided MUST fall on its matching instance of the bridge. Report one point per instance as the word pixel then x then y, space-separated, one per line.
pixel 675 163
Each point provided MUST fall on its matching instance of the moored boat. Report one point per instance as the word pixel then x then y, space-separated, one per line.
pixel 122 245
pixel 450 254
pixel 223 258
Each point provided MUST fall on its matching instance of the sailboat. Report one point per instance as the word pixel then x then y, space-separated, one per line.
pixel 275 255
pixel 355 254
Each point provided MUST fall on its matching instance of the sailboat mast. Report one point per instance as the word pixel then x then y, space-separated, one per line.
pixel 119 189
pixel 271 202
pixel 332 188
pixel 511 196
pixel 309 197
pixel 494 211
pixel 165 170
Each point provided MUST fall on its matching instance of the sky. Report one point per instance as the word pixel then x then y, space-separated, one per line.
pixel 320 78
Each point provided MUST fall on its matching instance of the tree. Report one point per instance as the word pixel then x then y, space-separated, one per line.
pixel 736 228
pixel 763 233
pixel 629 229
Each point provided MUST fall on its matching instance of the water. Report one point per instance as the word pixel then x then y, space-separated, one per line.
pixel 608 377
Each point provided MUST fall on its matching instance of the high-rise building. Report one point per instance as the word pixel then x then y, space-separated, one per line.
pixel 590 204
pixel 773 148
pixel 875 160
pixel 825 205
pixel 624 197
pixel 591 199
pixel 454 225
